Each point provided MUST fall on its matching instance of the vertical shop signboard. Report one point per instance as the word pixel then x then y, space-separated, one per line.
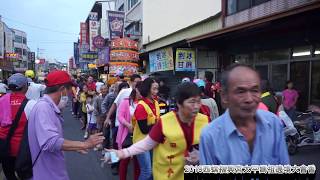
pixel 185 59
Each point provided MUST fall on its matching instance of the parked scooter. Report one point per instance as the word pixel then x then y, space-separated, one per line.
pixel 308 127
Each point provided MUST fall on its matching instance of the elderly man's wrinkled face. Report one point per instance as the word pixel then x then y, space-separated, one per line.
pixel 243 94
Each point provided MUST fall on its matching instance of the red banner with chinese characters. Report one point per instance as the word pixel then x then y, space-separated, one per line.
pixel 124 43
pixel 83 33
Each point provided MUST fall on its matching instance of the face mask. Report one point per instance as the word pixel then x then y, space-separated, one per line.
pixel 63 102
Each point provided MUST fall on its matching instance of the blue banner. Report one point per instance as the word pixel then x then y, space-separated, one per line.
pixel 161 60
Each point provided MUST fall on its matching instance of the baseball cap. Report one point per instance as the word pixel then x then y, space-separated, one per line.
pixel 18 79
pixel 57 77
pixel 199 82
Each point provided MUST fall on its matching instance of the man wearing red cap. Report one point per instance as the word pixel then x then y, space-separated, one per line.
pixel 45 131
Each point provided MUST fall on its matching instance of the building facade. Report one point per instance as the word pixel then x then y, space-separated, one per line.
pixel 133 18
pixel 167 25
pixel 278 37
pixel 6 49
pixel 21 49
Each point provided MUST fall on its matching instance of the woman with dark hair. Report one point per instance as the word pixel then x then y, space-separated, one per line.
pixel 124 136
pixel 175 137
pixel 290 96
pixel 123 85
pixel 146 115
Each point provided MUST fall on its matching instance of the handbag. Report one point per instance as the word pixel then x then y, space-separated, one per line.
pixel 5 143
pixel 127 141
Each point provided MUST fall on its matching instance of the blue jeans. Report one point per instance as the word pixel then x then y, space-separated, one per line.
pixel 144 160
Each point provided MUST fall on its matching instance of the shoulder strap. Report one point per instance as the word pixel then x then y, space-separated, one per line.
pixel 16 119
pixel 34 162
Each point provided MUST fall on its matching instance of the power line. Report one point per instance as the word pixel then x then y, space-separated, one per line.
pixel 48 42
pixel 38 27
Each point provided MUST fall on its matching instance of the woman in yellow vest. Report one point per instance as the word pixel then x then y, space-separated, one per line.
pixel 145 116
pixel 175 138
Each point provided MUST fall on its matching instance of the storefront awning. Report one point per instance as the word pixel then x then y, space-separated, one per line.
pixel 293 11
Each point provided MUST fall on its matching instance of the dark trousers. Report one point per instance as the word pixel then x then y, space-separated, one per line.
pixel 114 144
pixel 84 118
pixel 8 168
pixel 292 113
pixel 107 140
pixel 76 108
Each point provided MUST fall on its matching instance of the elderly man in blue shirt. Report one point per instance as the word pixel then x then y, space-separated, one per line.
pixel 243 135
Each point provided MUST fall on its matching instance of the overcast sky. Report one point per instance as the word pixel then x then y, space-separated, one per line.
pixel 51 25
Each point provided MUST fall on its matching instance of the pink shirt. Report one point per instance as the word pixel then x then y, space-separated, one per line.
pixel 124 116
pixel 289 98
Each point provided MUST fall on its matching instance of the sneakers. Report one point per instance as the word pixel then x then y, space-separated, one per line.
pixel 86 135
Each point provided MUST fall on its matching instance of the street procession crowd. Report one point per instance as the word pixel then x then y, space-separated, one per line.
pixel 230 122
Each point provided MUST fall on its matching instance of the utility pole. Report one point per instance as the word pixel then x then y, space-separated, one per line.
pixel 39 67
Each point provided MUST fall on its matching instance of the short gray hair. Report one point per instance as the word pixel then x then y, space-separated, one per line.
pixel 225 74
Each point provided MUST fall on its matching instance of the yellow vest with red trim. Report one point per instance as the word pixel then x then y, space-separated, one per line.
pixel 151 119
pixel 168 157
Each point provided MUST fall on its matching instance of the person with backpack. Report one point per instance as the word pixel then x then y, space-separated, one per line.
pixel 46 133
pixel 15 109
pixel 268 101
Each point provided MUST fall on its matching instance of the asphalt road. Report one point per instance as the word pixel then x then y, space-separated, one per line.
pixel 307 155
pixel 79 166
